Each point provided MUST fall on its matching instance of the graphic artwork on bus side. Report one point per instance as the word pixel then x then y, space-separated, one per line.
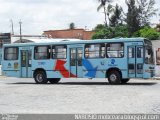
pixel 91 70
pixel 64 72
pixel 113 61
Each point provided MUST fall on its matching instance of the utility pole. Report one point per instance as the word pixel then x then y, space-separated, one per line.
pixel 20 23
pixel 12 31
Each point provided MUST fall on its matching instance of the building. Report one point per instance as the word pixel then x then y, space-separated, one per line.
pixel 26 38
pixel 156 47
pixel 5 38
pixel 70 33
pixel 37 39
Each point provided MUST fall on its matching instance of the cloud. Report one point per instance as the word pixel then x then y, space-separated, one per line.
pixel 40 15
pixel 26 1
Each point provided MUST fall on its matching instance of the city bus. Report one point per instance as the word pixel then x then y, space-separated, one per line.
pixel 0 55
pixel 118 59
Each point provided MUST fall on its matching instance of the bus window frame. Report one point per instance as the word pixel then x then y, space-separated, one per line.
pixel 52 46
pixel 115 43
pixel 17 58
pixel 100 51
pixel 143 56
pixel 49 47
pixel 152 56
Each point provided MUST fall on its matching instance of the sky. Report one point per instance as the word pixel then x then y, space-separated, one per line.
pixel 42 15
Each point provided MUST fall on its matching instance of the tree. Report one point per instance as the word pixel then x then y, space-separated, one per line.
pixel 139 14
pixel 102 32
pixel 149 33
pixel 110 10
pixel 116 17
pixel 146 11
pixel 71 26
pixel 121 31
pixel 99 27
pixel 105 10
pixel 132 19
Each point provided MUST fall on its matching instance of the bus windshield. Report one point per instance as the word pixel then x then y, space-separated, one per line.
pixel 149 57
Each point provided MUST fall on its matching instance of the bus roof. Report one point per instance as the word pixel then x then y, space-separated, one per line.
pixel 77 41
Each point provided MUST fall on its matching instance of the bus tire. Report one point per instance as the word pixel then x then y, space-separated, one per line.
pixel 114 77
pixel 123 81
pixel 40 77
pixel 54 80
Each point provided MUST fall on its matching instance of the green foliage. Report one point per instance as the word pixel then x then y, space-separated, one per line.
pixel 132 18
pixel 116 18
pixel 149 33
pixel 103 32
pixel 121 31
pixel 146 11
pixel 99 27
pixel 137 20
pixel 139 14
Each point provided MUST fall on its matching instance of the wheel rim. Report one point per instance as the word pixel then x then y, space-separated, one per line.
pixel 39 77
pixel 113 77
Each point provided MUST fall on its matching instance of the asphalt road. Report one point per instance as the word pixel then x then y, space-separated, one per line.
pixel 79 96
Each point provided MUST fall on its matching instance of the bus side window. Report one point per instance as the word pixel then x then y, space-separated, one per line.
pixel 86 52
pixel 95 51
pixel 59 52
pixel 131 51
pixel 139 52
pixel 115 50
pixel 102 50
pixel 11 53
pixel 42 52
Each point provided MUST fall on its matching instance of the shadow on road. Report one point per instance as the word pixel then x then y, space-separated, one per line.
pixel 103 83
pixel 90 83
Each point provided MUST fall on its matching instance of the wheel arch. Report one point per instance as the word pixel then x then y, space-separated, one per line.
pixel 113 69
pixel 39 69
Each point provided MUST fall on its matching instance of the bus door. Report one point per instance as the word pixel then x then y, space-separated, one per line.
pixel 135 61
pixel 26 71
pixel 76 62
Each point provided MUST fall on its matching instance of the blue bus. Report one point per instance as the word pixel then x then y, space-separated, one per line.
pixel 0 55
pixel 116 59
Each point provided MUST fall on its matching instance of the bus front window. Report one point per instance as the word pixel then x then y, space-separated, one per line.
pixel 149 59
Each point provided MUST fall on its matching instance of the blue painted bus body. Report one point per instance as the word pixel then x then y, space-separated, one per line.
pixel 130 65
pixel 0 56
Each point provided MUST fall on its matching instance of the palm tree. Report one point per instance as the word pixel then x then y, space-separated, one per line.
pixel 106 10
pixel 110 9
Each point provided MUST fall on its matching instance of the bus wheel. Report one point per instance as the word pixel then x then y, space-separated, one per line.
pixel 40 77
pixel 114 77
pixel 54 80
pixel 123 81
